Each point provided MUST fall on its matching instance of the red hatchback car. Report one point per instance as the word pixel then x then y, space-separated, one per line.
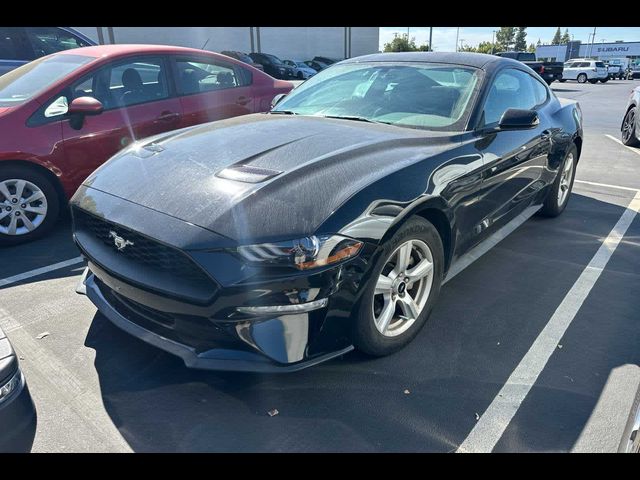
pixel 63 115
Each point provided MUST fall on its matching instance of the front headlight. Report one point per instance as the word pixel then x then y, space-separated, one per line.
pixel 304 253
pixel 11 386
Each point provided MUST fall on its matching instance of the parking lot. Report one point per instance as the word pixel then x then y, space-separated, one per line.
pixel 97 389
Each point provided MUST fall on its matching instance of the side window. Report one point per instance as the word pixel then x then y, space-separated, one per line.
pixel 47 40
pixel 199 75
pixel 539 91
pixel 123 84
pixel 584 65
pixel 10 45
pixel 511 88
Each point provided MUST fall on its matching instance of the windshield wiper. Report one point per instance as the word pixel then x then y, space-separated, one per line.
pixel 354 118
pixel 283 112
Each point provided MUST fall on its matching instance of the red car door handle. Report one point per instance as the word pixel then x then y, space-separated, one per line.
pixel 243 100
pixel 167 116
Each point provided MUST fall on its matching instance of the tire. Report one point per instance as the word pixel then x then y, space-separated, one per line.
pixel 367 336
pixel 629 128
pixel 593 81
pixel 562 80
pixel 553 205
pixel 300 76
pixel 582 78
pixel 48 205
pixel 548 82
pixel 604 80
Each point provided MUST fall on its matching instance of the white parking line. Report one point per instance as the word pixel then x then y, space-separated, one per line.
pixel 608 185
pixel 39 271
pixel 634 150
pixel 494 421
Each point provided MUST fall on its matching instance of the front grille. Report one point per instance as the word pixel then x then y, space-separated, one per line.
pixel 142 250
pixel 129 308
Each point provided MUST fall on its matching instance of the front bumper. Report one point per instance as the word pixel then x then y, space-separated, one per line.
pixel 286 336
pixel 18 420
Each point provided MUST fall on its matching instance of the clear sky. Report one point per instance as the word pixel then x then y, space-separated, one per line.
pixel 444 38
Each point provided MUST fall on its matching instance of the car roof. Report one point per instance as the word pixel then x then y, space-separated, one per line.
pixel 125 49
pixel 478 60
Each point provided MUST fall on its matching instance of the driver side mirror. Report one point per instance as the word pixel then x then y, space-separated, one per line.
pixel 516 118
pixel 82 106
pixel 277 99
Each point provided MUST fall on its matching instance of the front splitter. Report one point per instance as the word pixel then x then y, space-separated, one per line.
pixel 214 359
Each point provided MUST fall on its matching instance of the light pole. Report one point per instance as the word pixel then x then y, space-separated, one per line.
pixel 593 40
pixel 457 34
pixel 461 42
pixel 493 42
pixel 430 37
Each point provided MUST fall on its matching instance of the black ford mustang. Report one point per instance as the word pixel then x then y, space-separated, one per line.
pixel 272 242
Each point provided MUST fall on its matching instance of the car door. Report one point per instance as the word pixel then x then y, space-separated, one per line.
pixel 211 89
pixel 513 160
pixel 569 71
pixel 13 48
pixel 138 102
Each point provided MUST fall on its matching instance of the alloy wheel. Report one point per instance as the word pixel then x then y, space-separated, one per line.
pixel 628 125
pixel 23 207
pixel 565 180
pixel 403 288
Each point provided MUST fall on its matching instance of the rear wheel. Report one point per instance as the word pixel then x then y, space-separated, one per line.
pixel 582 78
pixel 29 205
pixel 560 190
pixel 403 288
pixel 562 80
pixel 629 136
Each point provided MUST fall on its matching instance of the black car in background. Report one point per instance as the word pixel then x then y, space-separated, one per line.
pixel 549 71
pixel 316 65
pixel 243 57
pixel 326 60
pixel 330 222
pixel 20 45
pixel 274 66
pixel 17 412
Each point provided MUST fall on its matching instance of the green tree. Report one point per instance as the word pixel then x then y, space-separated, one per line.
pixel 532 48
pixel 402 43
pixel 521 39
pixel 557 37
pixel 539 43
pixel 566 38
pixel 467 48
pixel 487 47
pixel 505 38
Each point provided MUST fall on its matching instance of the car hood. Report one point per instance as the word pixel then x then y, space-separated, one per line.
pixel 262 176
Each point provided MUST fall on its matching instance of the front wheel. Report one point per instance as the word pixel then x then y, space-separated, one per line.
pixel 629 136
pixel 560 190
pixel 403 288
pixel 29 205
pixel 582 78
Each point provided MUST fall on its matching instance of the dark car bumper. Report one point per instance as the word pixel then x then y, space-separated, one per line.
pixel 17 421
pixel 208 359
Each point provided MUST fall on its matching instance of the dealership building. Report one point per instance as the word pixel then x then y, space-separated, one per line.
pixel 296 43
pixel 599 51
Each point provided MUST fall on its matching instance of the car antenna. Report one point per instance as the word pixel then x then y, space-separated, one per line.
pixel 205 43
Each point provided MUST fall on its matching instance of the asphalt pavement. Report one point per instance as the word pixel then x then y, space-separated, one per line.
pixel 458 384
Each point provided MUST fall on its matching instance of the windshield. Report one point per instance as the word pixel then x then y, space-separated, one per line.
pixel 418 95
pixel 21 84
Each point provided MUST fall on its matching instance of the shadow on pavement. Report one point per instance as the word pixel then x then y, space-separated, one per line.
pixel 484 323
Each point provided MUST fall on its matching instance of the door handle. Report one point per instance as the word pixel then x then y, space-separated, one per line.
pixel 167 117
pixel 242 100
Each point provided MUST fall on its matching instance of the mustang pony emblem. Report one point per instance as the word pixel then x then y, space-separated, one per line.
pixel 119 242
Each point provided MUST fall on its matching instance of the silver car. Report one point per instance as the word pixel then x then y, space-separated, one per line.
pixel 631 123
pixel 585 70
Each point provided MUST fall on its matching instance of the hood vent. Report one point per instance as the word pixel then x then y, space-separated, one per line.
pixel 248 173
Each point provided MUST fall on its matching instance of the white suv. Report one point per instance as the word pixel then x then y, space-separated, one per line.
pixel 585 69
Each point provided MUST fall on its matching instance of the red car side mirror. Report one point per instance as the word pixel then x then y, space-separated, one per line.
pixel 86 106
